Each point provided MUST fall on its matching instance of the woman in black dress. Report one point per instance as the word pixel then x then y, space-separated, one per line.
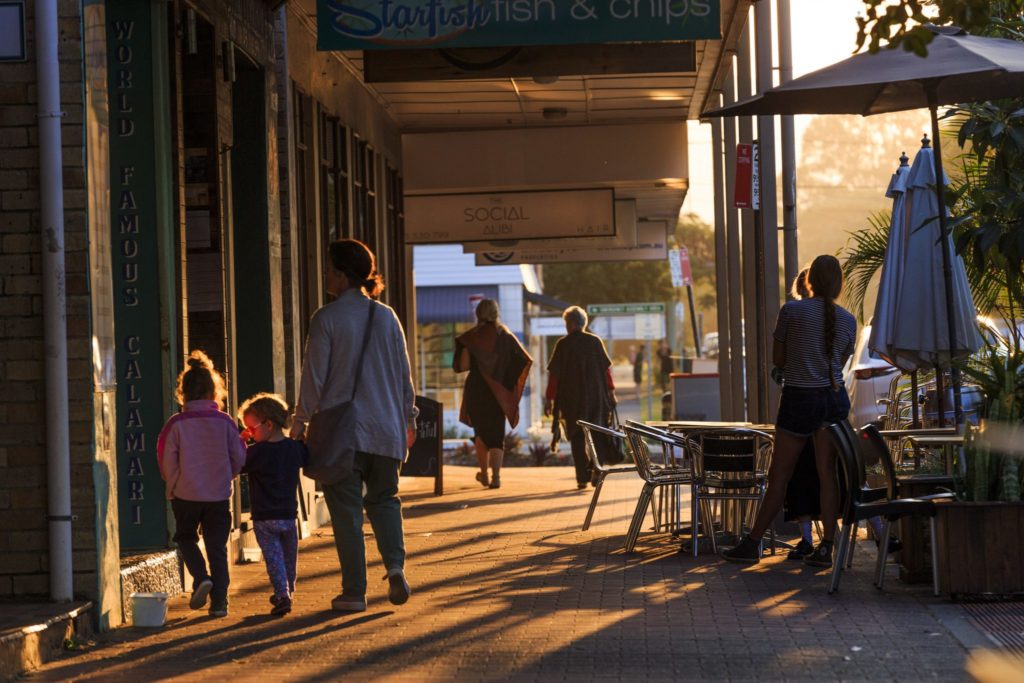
pixel 498 366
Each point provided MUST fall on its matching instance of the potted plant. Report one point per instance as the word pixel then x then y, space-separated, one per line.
pixel 979 549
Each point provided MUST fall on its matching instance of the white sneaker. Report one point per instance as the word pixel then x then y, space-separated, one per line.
pixel 398 589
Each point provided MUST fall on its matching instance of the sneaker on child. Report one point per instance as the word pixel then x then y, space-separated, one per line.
pixel 802 549
pixel 822 555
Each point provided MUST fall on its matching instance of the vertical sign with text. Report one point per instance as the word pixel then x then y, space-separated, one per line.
pixel 743 188
pixel 135 260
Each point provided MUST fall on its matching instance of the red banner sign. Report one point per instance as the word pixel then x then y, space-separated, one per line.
pixel 743 190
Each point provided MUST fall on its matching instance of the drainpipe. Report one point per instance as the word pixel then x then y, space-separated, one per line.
pixel 51 204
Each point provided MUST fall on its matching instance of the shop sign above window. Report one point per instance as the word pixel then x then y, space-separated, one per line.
pixel 404 24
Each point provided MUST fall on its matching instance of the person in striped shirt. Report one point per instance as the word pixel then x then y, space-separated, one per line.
pixel 813 338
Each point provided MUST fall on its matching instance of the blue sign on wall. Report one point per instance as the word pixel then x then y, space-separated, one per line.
pixel 403 24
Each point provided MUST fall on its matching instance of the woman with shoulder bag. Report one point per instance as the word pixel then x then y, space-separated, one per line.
pixel 356 336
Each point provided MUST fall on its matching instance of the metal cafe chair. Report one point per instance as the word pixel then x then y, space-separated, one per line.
pixel 863 503
pixel 592 433
pixel 673 454
pixel 672 472
pixel 731 465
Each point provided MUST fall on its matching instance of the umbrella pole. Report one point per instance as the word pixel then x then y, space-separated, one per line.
pixel 940 396
pixel 947 267
pixel 914 408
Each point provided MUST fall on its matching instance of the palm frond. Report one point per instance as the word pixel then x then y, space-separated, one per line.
pixel 862 257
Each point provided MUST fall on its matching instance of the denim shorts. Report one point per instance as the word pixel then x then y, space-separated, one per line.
pixel 803 410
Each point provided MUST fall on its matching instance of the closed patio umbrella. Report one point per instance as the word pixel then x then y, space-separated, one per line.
pixel 920 332
pixel 958 68
pixel 891 281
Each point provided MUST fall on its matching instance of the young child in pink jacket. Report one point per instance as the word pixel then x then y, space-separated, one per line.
pixel 200 452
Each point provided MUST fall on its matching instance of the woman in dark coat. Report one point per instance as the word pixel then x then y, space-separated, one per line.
pixel 579 385
pixel 498 366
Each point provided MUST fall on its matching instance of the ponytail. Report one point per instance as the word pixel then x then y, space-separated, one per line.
pixel 825 278
pixel 830 337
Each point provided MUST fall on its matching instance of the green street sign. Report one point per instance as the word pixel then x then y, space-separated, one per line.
pixel 625 309
pixel 405 24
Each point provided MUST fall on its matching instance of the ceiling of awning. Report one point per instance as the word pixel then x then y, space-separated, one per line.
pixel 571 100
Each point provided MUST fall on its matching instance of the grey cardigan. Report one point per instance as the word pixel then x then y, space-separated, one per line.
pixel 385 400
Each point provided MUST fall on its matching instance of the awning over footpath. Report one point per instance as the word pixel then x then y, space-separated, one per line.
pixel 451 304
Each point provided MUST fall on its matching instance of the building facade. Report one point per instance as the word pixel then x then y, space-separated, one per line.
pixel 171 172
pixel 209 154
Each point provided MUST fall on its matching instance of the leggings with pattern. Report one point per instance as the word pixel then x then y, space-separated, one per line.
pixel 279 541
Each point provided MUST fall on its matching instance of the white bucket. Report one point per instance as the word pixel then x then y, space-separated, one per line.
pixel 149 609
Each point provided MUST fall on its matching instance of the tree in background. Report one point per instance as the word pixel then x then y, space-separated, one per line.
pixel 583 284
pixel 628 281
pixel 888 24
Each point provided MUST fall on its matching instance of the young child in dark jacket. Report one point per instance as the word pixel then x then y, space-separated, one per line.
pixel 273 462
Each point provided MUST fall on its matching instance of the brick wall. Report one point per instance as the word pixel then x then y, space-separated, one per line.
pixel 23 526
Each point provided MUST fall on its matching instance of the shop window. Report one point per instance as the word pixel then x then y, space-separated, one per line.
pixel 334 190
pixel 364 192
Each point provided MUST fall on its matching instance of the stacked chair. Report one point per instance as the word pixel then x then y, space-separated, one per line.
pixel 673 471
pixel 853 450
pixel 593 434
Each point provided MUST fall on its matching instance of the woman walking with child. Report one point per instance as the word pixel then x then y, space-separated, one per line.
pixel 813 339
pixel 357 336
pixel 199 453
pixel 272 463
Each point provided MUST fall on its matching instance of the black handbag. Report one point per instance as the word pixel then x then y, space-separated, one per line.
pixel 330 435
pixel 610 449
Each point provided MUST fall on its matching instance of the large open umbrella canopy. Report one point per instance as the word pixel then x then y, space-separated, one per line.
pixel 958 68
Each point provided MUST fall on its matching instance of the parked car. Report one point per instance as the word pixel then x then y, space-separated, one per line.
pixel 867 376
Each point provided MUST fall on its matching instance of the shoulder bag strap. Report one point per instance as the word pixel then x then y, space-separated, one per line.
pixel 362 352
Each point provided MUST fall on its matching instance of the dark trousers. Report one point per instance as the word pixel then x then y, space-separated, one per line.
pixel 214 518
pixel 579 457
pixel 346 502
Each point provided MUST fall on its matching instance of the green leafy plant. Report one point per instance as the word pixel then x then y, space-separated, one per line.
pixel 863 256
pixel 991 475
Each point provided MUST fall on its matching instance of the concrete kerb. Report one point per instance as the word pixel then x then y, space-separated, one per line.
pixel 43 638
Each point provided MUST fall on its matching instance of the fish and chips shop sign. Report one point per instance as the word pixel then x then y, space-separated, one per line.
pixel 405 24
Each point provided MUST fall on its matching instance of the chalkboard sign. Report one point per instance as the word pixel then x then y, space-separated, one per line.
pixel 425 459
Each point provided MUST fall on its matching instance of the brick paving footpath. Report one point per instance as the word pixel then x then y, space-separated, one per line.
pixel 507 588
